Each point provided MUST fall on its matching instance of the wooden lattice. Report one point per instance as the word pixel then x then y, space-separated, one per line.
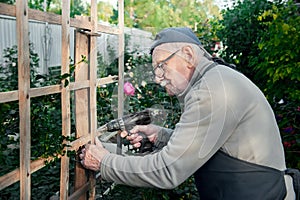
pixel 84 87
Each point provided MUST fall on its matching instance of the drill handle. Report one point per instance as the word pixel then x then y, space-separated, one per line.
pixel 146 145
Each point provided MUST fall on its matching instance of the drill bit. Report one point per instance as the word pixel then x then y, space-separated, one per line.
pixel 104 135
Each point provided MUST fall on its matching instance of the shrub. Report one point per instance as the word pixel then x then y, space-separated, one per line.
pixel 262 38
pixel 46 139
pixel 278 68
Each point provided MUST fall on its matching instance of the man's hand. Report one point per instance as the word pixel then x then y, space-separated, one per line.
pixel 92 154
pixel 149 130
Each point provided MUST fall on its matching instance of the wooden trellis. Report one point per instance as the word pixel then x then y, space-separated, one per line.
pixel 84 87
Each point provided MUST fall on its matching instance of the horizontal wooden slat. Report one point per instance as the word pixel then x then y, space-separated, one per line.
pixel 79 85
pixel 108 29
pixel 6 9
pixel 44 16
pixel 36 92
pixel 10 10
pixel 14 176
pixel 107 80
pixel 9 178
pixel 78 193
pixel 8 96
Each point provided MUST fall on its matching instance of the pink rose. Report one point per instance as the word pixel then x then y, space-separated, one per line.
pixel 129 89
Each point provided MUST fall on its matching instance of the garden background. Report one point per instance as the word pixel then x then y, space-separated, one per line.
pixel 260 37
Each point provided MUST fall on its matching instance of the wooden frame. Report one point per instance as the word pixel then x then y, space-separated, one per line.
pixel 85 85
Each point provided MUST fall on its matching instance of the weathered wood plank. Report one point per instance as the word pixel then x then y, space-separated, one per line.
pixel 9 96
pixel 14 176
pixel 107 80
pixel 24 98
pixel 47 90
pixel 6 9
pixel 93 88
pixel 121 50
pixel 53 89
pixel 65 97
pixel 108 29
pixel 79 192
pixel 82 120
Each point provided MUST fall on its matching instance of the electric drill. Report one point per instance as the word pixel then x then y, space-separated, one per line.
pixel 127 122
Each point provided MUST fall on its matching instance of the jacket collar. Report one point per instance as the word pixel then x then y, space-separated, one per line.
pixel 199 70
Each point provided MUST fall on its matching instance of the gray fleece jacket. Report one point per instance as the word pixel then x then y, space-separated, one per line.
pixel 221 110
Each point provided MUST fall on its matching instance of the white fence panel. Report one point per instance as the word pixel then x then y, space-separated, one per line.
pixel 46 39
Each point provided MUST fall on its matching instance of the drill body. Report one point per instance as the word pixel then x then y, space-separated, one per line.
pixel 127 122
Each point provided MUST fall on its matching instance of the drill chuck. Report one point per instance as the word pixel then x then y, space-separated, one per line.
pixel 115 125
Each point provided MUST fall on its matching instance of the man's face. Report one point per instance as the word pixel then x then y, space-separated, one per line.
pixel 170 71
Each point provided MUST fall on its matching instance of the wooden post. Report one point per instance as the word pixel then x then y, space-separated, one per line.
pixel 65 97
pixel 81 101
pixel 93 87
pixel 24 98
pixel 121 68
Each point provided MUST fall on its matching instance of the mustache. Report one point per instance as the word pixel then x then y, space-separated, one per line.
pixel 164 83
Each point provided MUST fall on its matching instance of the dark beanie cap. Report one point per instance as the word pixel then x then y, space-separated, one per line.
pixel 174 34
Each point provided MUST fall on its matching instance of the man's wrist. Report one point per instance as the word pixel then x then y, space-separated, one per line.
pixel 102 160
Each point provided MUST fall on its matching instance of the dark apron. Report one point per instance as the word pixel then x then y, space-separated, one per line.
pixel 227 178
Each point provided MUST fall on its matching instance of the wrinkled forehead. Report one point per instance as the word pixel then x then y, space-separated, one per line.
pixel 162 51
pixel 159 55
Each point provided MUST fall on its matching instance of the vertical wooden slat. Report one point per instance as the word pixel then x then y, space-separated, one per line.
pixel 93 86
pixel 81 102
pixel 121 68
pixel 65 97
pixel 24 98
pixel 93 70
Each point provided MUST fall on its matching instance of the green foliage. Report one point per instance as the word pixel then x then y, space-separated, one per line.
pixel 156 15
pixel 9 115
pixel 46 138
pixel 187 190
pixel 10 69
pixel 288 118
pixel 207 34
pixel 138 71
pixel 278 69
pixel 240 31
pixel 279 57
pixel 77 7
pixel 8 1
pixel 262 39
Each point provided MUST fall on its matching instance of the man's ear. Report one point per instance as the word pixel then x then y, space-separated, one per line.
pixel 189 55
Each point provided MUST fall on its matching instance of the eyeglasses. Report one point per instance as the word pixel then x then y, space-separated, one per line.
pixel 158 70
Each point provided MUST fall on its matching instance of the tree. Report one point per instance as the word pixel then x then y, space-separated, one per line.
pixel 156 15
pixel 78 7
pixel 105 11
pixel 279 56
pixel 262 38
pixel 240 31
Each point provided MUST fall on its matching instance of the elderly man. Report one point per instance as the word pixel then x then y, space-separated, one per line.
pixel 227 136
